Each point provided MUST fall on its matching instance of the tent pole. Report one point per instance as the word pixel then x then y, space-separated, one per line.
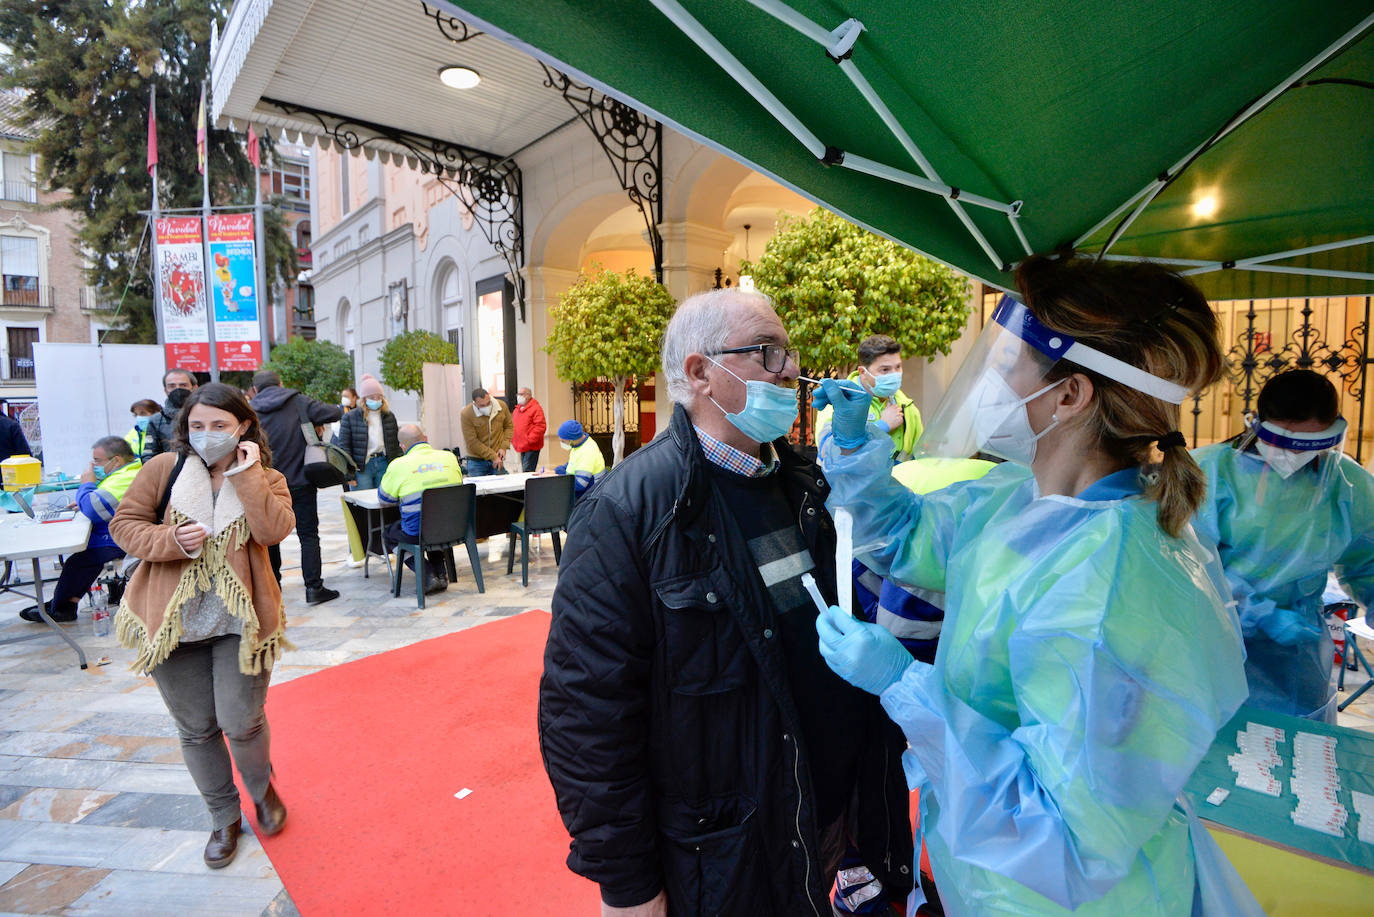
pixel 737 71
pixel 1153 189
pixel 1310 250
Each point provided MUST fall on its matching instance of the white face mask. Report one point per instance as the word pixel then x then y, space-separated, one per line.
pixel 522 399
pixel 1284 462
pixel 1002 422
pixel 482 412
pixel 567 447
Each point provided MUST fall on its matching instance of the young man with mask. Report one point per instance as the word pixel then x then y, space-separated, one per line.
pixel 530 427
pixel 892 412
pixel 487 430
pixel 103 485
pixel 686 717
pixel 178 385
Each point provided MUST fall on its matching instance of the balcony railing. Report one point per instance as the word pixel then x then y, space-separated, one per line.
pixel 25 295
pixel 19 368
pixel 91 301
pixel 19 190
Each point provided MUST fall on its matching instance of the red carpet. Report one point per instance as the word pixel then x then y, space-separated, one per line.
pixel 369 755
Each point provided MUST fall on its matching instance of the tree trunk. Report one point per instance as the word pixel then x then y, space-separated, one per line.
pixel 618 413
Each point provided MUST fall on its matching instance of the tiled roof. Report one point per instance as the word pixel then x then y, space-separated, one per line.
pixel 15 122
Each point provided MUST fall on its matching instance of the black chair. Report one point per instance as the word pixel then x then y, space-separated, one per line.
pixel 448 516
pixel 548 504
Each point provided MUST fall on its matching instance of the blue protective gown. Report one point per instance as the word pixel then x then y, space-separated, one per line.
pixel 1277 553
pixel 1086 665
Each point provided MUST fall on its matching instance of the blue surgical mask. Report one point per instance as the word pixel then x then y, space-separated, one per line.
pixel 99 472
pixel 886 385
pixel 142 422
pixel 769 410
pixel 373 404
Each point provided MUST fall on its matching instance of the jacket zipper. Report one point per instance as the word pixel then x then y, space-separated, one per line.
pixel 806 852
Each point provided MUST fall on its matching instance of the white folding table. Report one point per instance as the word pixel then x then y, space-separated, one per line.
pixel 22 538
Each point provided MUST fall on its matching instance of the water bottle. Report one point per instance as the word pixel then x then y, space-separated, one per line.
pixel 100 611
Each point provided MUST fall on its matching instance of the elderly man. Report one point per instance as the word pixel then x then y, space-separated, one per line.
pixel 530 427
pixel 177 384
pixel 686 717
pixel 103 484
pixel 419 468
pixel 487 429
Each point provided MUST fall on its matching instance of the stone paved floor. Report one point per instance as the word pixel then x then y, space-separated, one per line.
pixel 97 812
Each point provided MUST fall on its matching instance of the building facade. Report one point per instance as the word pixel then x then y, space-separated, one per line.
pixel 43 292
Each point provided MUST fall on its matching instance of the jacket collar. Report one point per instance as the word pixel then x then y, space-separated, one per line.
pixel 193 498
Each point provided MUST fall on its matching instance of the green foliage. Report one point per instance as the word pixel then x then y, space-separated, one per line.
pixel 404 357
pixel 834 284
pixel 320 369
pixel 610 325
pixel 88 68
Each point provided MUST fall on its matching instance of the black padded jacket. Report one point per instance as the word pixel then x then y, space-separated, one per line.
pixel 666 721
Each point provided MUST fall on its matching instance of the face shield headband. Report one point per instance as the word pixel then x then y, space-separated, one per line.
pixel 1055 346
pixel 1279 438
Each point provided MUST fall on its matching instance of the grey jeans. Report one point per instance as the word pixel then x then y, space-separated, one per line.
pixel 209 698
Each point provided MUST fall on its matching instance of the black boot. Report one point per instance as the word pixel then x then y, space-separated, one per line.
pixel 222 846
pixel 322 594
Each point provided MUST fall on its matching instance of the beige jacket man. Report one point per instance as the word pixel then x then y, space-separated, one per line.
pixel 487 437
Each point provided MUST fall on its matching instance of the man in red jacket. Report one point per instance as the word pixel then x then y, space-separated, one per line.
pixel 530 427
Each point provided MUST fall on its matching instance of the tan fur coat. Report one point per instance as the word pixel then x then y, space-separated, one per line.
pixel 252 512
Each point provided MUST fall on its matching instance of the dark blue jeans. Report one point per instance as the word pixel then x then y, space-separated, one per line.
pixel 478 467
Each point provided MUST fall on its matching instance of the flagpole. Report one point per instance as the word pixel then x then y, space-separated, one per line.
pixel 260 239
pixel 204 127
pixel 152 170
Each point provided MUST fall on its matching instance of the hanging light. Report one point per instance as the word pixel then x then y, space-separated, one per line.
pixel 459 77
pixel 746 282
pixel 1205 207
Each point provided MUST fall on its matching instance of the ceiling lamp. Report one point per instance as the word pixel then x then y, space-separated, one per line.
pixel 459 77
pixel 1204 208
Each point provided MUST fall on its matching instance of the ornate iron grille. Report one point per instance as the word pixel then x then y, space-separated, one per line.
pixel 490 186
pixel 1329 336
pixel 594 407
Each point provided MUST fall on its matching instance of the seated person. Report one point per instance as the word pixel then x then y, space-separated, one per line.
pixel 419 468
pixel 585 461
pixel 113 468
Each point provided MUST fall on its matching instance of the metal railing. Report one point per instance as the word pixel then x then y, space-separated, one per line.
pixel 25 294
pixel 19 189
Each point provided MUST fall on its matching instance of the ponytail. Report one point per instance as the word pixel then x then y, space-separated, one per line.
pixel 1179 485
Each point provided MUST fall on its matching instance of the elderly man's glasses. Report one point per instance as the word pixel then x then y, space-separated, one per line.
pixel 775 356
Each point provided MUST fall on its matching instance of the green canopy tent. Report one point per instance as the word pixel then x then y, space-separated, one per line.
pixel 1233 140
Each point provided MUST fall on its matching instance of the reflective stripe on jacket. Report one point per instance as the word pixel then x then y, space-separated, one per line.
pixel 420 468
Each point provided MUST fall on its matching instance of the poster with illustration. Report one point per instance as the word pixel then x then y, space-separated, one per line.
pixel 181 293
pixel 233 290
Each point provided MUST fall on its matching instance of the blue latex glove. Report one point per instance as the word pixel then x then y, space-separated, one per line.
pixel 849 425
pixel 865 655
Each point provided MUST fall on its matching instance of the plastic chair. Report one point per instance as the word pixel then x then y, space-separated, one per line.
pixel 548 504
pixel 448 516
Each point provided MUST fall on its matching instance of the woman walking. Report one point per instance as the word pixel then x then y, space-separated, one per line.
pixel 203 609
pixel 368 433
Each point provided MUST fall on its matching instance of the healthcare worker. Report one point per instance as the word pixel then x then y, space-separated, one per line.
pixel 585 460
pixel 1088 657
pixel 891 411
pixel 1284 506
pixel 144 411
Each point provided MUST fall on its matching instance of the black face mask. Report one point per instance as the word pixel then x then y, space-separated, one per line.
pixel 177 397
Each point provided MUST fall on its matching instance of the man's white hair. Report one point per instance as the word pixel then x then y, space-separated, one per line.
pixel 701 324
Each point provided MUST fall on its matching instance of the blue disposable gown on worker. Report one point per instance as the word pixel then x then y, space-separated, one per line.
pixel 1277 552
pixel 1087 662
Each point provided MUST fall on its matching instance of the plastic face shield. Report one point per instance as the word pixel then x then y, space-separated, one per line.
pixel 1007 367
pixel 1298 467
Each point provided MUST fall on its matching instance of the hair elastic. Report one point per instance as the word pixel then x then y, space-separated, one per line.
pixel 1174 439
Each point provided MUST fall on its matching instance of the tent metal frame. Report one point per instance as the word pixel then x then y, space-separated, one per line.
pixel 839 46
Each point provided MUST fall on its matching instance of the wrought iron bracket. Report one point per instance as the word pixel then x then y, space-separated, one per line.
pixel 632 141
pixel 490 186
pixel 1249 368
pixel 451 27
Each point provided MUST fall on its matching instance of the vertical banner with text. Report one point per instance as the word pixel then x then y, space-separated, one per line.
pixel 181 293
pixel 234 286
